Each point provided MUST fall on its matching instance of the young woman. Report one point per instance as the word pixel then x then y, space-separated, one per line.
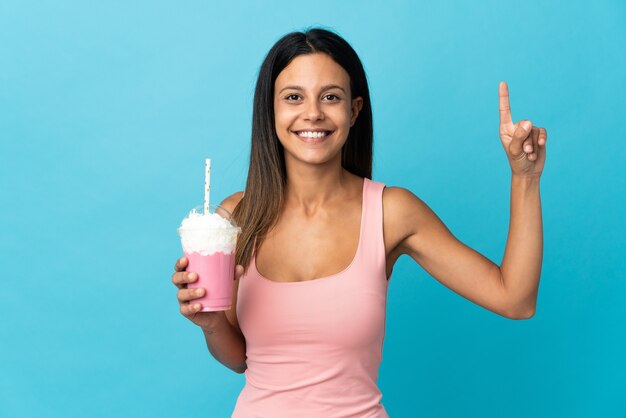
pixel 320 238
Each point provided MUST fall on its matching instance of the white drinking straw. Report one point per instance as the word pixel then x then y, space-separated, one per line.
pixel 207 186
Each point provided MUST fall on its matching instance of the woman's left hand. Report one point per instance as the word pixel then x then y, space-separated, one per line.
pixel 524 144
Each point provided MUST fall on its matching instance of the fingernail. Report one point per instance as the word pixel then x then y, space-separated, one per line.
pixel 196 306
pixel 192 276
pixel 527 125
pixel 200 291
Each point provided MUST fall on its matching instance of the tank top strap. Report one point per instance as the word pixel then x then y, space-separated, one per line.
pixel 372 242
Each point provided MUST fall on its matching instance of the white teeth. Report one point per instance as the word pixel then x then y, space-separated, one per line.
pixel 308 134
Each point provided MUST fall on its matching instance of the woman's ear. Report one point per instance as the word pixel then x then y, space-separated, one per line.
pixel 357 105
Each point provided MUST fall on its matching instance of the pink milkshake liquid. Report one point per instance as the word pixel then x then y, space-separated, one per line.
pixel 216 273
pixel 209 243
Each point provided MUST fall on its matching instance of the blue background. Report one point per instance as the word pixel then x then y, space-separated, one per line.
pixel 108 110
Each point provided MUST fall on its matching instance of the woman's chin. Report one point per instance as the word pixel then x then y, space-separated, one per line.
pixel 313 157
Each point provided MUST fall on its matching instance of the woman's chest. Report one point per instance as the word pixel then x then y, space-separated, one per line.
pixel 347 310
pixel 308 249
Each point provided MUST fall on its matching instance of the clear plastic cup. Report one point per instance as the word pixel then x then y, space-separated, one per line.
pixel 209 243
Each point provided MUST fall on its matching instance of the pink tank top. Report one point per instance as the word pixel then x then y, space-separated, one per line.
pixel 314 347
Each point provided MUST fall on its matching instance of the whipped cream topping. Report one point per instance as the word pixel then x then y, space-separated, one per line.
pixel 207 234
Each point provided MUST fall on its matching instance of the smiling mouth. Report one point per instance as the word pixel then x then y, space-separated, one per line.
pixel 313 136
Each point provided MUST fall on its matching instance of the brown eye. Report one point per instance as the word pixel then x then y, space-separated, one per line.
pixel 333 98
pixel 292 97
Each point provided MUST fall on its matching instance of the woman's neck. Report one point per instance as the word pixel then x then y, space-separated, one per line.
pixel 310 186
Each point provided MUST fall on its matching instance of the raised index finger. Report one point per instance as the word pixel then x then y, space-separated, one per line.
pixel 505 105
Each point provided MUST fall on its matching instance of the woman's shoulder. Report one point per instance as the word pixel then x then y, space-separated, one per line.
pixel 394 194
pixel 231 202
pixel 403 205
pixel 398 196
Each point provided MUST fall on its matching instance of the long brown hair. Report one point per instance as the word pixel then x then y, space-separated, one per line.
pixel 260 207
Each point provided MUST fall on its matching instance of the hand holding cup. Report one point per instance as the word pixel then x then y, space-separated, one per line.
pixel 187 296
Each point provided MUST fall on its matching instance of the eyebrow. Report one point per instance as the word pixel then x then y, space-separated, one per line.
pixel 324 88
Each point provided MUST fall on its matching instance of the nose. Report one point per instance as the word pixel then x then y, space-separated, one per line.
pixel 314 111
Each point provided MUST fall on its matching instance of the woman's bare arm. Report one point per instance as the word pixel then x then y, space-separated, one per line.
pixel 521 265
pixel 509 289
pixel 428 241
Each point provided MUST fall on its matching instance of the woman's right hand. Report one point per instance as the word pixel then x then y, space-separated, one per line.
pixel 189 309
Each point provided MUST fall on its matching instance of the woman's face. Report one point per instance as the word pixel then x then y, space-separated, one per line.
pixel 313 108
